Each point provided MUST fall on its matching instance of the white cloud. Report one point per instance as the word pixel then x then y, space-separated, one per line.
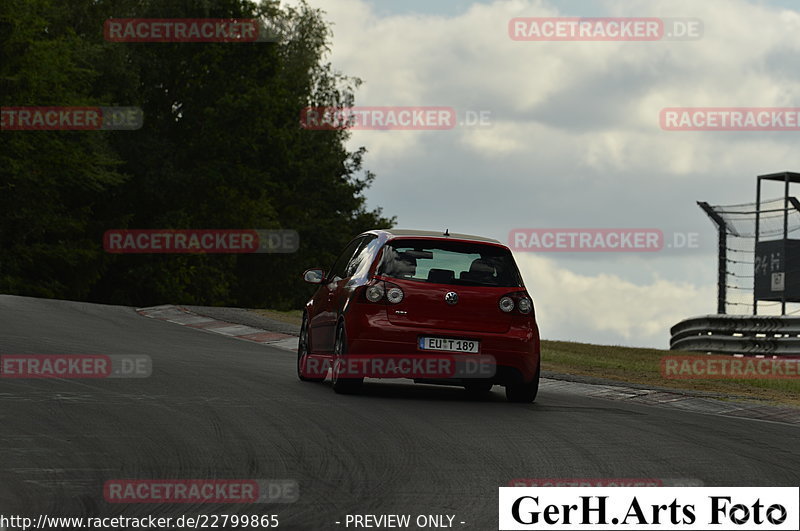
pixel 575 307
pixel 535 90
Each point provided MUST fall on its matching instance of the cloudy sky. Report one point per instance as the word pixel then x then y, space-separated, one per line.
pixel 575 140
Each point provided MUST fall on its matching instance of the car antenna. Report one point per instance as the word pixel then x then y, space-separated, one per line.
pixel 447 232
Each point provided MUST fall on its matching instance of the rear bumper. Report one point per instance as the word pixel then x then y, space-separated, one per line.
pixel 516 352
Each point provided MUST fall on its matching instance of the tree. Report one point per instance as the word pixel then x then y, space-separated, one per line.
pixel 221 147
pixel 51 182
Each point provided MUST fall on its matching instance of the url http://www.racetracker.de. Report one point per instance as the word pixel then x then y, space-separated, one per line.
pixel 201 521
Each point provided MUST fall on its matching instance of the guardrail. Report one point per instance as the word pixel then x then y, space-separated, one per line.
pixel 738 334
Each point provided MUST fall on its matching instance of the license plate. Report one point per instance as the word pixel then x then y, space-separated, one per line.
pixel 449 345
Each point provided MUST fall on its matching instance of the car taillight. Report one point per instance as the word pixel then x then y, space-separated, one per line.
pixel 518 300
pixel 377 289
pixel 374 293
pixel 506 304
pixel 394 295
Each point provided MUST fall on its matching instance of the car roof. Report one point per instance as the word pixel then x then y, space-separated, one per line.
pixel 404 233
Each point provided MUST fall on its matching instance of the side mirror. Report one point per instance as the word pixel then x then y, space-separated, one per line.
pixel 314 276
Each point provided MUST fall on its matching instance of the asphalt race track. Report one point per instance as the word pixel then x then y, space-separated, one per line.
pixel 217 407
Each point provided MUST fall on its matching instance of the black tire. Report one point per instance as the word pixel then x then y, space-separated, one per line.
pixel 343 386
pixel 478 388
pixel 524 392
pixel 302 353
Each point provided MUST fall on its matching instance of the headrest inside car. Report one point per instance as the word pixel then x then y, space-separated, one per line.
pixel 441 276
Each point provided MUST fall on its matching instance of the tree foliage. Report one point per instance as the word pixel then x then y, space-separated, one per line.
pixel 221 148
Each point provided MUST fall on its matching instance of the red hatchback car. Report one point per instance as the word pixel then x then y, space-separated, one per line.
pixel 425 299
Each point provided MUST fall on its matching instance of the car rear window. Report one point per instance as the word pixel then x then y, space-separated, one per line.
pixel 446 262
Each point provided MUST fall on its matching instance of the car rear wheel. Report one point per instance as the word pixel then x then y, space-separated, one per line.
pixel 341 385
pixel 524 392
pixel 302 354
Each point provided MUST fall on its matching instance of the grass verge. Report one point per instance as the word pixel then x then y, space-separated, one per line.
pixel 643 366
